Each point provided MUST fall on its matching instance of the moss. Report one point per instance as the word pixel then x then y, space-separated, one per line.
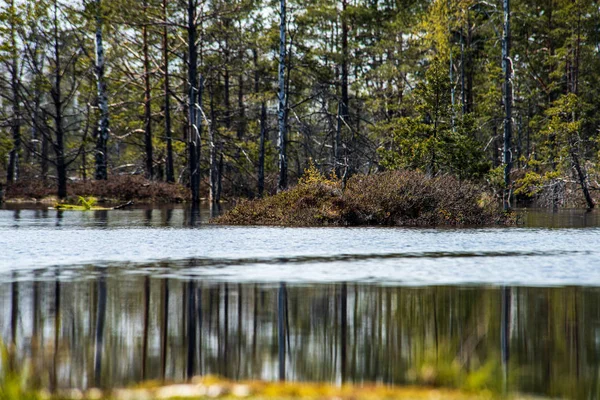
pixel 394 198
pixel 83 204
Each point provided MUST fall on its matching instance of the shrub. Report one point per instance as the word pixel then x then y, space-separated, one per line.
pixel 314 201
pixel 116 188
pixel 394 198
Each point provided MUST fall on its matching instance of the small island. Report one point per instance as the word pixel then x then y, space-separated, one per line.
pixel 393 198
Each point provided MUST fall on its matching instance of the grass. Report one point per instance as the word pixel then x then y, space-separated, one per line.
pixel 208 387
pixel 83 204
pixel 15 384
pixel 394 198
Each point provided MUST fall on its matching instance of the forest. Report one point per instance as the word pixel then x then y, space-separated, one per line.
pixel 237 98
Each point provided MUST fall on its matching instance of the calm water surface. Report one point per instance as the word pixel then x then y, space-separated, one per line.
pixel 112 298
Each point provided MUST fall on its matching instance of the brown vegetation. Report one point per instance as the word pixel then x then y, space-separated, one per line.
pixel 394 198
pixel 117 188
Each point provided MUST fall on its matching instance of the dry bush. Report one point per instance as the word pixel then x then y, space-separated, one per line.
pixel 307 204
pixel 131 187
pixel 30 189
pixel 116 188
pixel 394 198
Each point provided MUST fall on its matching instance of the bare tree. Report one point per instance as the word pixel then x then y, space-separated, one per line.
pixel 102 134
pixel 281 112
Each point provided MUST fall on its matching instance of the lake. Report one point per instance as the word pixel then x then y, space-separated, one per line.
pixel 111 298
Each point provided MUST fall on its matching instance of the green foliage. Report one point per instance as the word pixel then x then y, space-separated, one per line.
pixel 83 204
pixel 433 139
pixel 561 133
pixel 6 145
pixel 87 203
pixel 13 380
pixel 495 178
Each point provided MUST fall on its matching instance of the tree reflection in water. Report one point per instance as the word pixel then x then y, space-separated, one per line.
pixel 119 328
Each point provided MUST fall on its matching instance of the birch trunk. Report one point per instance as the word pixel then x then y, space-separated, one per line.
pixel 282 140
pixel 214 172
pixel 102 134
pixel 13 158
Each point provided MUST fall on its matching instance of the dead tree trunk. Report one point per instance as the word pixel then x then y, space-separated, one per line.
pixel 168 133
pixel 507 70
pixel 13 158
pixel 263 120
pixel 147 98
pixel 102 134
pixel 282 140
pixel 193 130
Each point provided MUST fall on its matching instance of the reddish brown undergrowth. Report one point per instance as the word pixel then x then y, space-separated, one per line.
pixel 116 188
pixel 394 198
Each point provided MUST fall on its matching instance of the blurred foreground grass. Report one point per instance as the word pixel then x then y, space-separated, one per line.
pixel 211 387
pixel 16 384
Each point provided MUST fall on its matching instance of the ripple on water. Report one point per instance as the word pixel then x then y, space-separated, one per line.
pixel 524 256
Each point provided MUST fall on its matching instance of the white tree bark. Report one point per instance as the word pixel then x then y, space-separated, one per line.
pixel 102 134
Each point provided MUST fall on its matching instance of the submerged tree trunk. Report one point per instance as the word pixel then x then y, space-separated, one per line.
pixel 505 334
pixel 146 327
pixel 164 328
pixel 102 134
pixel 281 301
pixel 282 140
pixel 14 313
pixel 99 334
pixel 344 331
pixel 147 98
pixel 191 328
pixel 57 323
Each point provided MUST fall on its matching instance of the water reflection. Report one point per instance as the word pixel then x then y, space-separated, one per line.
pixel 562 218
pixel 142 216
pixel 189 216
pixel 114 330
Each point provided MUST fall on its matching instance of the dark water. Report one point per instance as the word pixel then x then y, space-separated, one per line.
pixel 112 298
